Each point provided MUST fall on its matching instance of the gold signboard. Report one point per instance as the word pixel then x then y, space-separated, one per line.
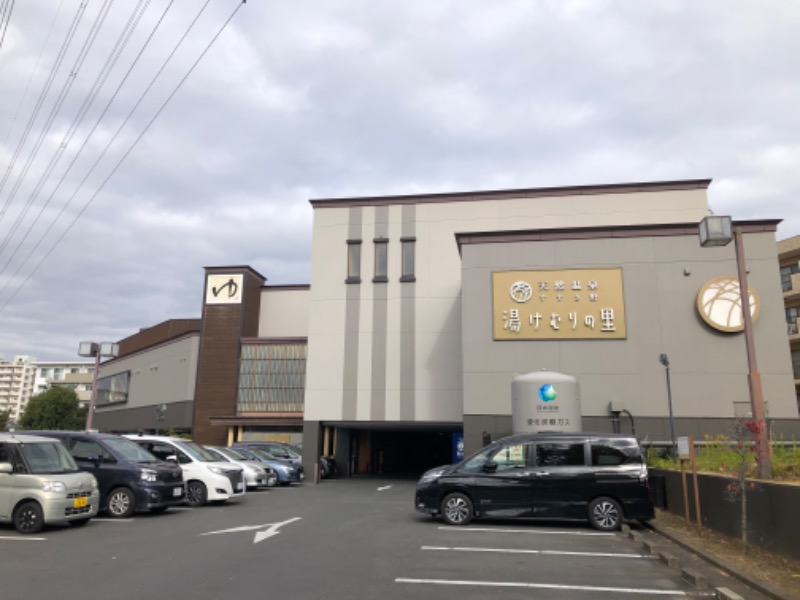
pixel 570 304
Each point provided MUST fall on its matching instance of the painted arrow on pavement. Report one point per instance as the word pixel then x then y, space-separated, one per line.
pixel 272 529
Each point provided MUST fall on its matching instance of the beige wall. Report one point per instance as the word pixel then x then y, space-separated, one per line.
pixel 661 278
pixel 437 363
pixel 162 374
pixel 284 313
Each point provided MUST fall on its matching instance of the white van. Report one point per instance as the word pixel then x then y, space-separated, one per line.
pixel 207 479
pixel 41 484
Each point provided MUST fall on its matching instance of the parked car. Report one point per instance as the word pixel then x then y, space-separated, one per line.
pixel 277 449
pixel 130 478
pixel 40 484
pixel 599 477
pixel 286 471
pixel 207 479
pixel 256 475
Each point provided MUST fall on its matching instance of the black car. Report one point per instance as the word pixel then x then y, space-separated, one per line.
pixel 598 477
pixel 130 478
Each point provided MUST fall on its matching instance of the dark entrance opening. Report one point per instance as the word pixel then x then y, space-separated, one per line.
pixel 409 452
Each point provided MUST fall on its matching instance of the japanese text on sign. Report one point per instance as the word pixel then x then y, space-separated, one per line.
pixel 565 304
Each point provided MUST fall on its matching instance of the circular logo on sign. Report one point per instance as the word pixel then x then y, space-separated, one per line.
pixel 547 393
pixel 719 302
pixel 521 291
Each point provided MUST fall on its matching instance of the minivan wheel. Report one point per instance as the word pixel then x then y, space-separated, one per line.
pixel 121 503
pixel 28 518
pixel 196 493
pixel 457 509
pixel 605 514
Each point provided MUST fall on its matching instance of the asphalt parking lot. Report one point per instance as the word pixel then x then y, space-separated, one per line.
pixel 343 539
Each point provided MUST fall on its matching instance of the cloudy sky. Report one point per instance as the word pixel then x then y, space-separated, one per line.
pixel 142 141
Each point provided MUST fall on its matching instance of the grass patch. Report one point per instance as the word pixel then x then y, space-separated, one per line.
pixel 720 455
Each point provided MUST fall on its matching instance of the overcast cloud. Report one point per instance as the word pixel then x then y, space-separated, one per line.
pixel 341 98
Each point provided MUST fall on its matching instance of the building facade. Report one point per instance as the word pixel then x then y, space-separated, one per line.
pixel 16 385
pixel 789 256
pixel 422 310
pixel 76 376
pixel 406 346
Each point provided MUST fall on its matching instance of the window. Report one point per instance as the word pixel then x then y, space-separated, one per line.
pixel 407 259
pixel 87 450
pixel 381 260
pixel 113 389
pixel 514 456
pixel 615 452
pixel 796 363
pixel 559 455
pixel 786 275
pixel 353 261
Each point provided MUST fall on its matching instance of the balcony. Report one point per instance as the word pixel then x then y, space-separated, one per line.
pixel 793 293
pixel 793 330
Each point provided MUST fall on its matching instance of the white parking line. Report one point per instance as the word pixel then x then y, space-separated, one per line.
pixel 22 539
pixel 96 520
pixel 385 487
pixel 531 531
pixel 548 552
pixel 542 586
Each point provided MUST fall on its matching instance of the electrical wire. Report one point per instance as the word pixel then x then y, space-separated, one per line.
pixel 62 96
pixel 119 47
pixel 42 95
pixel 7 19
pixel 129 150
pixel 35 68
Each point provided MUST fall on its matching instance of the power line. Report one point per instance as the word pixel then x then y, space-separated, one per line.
pixel 133 145
pixel 42 95
pixel 6 18
pixel 62 96
pixel 102 76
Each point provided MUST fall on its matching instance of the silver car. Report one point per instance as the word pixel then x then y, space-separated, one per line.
pixel 256 475
pixel 41 484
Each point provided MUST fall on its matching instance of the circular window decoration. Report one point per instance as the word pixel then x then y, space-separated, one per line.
pixel 521 291
pixel 719 303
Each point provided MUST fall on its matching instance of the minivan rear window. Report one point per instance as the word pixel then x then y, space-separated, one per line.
pixel 616 452
pixel 559 455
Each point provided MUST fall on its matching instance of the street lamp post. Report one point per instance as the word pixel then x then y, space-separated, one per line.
pixel 93 349
pixel 719 231
pixel 664 360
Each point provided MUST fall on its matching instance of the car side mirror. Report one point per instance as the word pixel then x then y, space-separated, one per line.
pixel 6 468
pixel 490 466
pixel 172 458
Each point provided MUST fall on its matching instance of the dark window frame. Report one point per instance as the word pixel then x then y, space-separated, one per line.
pixel 408 275
pixel 353 266
pixel 381 259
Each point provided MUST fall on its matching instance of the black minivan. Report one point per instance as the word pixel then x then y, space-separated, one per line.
pixel 599 477
pixel 130 478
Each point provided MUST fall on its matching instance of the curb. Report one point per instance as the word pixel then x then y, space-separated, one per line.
pixel 759 586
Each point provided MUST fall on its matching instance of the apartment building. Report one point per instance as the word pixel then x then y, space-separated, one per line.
pixel 73 375
pixel 789 257
pixel 16 384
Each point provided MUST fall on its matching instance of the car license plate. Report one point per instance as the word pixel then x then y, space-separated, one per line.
pixel 177 491
pixel 80 502
pixel 239 486
pixel 302 476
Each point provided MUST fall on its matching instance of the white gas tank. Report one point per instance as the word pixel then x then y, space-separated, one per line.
pixel 545 401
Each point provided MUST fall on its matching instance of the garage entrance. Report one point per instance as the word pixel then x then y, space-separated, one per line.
pixel 402 453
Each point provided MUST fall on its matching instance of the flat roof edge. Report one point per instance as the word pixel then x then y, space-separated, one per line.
pixel 574 190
